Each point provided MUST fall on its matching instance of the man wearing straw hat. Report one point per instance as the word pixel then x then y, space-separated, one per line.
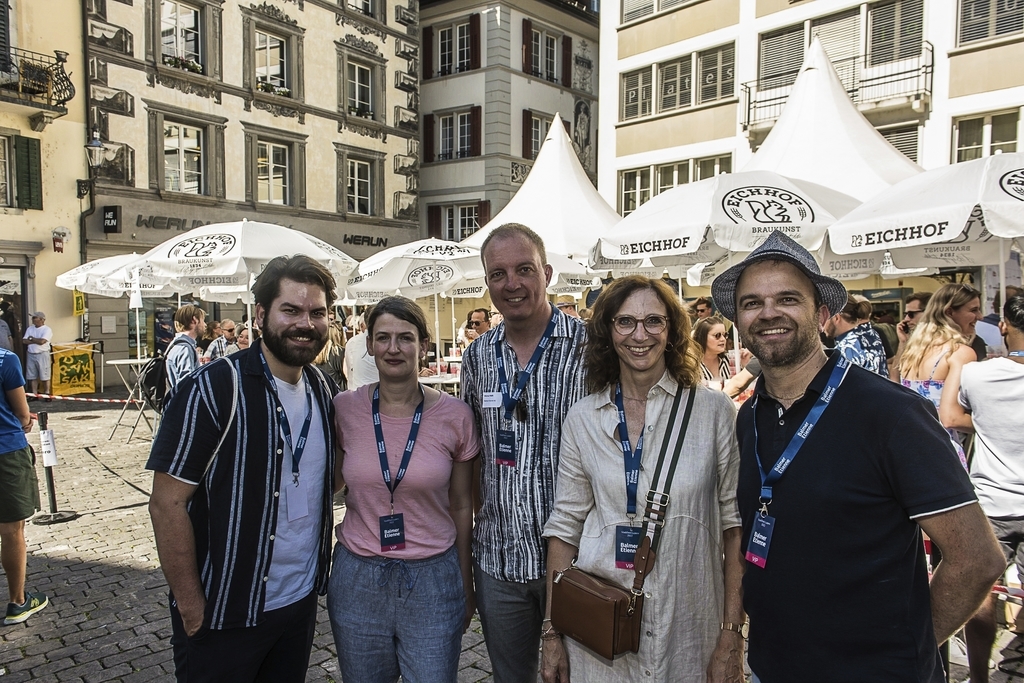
pixel 840 471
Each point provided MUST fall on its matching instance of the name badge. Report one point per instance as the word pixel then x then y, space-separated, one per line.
pixel 506 454
pixel 295 494
pixel 760 540
pixel 627 541
pixel 492 399
pixel 392 532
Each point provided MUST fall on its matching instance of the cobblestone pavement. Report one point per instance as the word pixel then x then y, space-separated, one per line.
pixel 107 619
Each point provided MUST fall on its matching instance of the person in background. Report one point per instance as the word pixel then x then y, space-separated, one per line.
pixel 712 342
pixel 6 338
pixel 10 316
pixel 219 346
pixel 988 327
pixel 477 323
pixel 37 357
pixel 181 355
pixel 703 308
pixel 914 307
pixel 856 339
pixel 359 364
pixel 331 359
pixel 19 489
pixel 401 591
pixel 639 356
pixel 241 341
pixel 567 304
pixel 939 348
pixel 586 314
pixel 204 340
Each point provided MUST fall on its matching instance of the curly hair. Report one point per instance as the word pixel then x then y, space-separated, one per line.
pixel 936 329
pixel 701 331
pixel 682 358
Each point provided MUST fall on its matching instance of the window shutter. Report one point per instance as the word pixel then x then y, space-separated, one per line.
pixel 483 212
pixel 427 52
pixel 29 172
pixel 568 127
pixel 5 36
pixel 475 124
pixel 434 221
pixel 780 57
pixel 428 138
pixel 474 41
pixel 567 61
pixel 896 31
pixel 840 36
pixel 527 134
pixel 527 46
pixel 634 9
pixel 904 139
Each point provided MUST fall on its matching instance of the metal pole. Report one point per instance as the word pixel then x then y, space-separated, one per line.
pixel 54 516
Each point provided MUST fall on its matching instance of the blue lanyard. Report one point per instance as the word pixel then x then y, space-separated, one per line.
pixel 1016 354
pixel 385 468
pixel 299 446
pixel 630 457
pixel 510 401
pixel 796 443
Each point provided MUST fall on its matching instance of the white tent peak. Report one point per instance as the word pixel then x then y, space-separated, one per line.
pixel 822 137
pixel 557 200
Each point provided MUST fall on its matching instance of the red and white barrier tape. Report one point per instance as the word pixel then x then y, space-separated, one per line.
pixel 84 400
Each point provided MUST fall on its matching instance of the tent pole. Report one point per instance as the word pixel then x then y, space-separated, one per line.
pixel 1002 277
pixel 680 281
pixel 138 337
pixel 437 335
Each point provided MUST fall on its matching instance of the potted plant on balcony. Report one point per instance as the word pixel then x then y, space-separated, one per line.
pixel 362 112
pixel 268 87
pixel 183 63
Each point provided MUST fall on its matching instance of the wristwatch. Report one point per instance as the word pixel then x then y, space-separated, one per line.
pixel 738 628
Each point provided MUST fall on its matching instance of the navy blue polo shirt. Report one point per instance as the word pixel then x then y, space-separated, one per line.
pixel 234 509
pixel 844 595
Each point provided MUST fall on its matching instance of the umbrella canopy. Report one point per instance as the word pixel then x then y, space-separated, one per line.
pixel 416 269
pixel 224 254
pixel 112 276
pixel 701 222
pixel 557 200
pixel 822 137
pixel 949 216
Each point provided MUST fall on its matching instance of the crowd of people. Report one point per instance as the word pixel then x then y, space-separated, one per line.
pixel 548 462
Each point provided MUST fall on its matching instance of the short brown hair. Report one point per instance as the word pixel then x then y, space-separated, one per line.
pixel 923 297
pixel 512 230
pixel 184 315
pixel 298 268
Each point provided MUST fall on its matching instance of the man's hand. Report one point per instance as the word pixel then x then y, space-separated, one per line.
pixel 192 615
pixel 554 663
pixel 726 664
pixel 471 333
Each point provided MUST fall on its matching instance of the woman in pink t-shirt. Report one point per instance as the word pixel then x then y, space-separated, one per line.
pixel 401 590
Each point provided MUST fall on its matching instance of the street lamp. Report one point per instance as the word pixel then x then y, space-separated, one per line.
pixel 94 150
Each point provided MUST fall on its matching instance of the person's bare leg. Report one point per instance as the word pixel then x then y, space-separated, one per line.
pixel 13 556
pixel 46 386
pixel 981 634
pixel 31 386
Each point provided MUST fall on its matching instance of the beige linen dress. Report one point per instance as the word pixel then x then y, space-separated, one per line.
pixel 684 593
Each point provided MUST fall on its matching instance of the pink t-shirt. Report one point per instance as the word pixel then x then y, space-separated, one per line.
pixel 447 434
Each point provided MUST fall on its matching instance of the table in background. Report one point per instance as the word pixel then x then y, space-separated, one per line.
pixel 131 366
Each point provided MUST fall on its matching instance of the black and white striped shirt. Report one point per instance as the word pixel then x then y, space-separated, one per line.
pixel 234 509
pixel 516 501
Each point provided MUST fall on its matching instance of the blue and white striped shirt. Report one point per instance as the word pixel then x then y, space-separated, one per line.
pixel 180 358
pixel 234 509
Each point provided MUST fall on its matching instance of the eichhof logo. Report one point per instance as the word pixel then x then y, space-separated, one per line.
pixel 428 275
pixel 199 250
pixel 442 250
pixel 766 205
pixel 1012 184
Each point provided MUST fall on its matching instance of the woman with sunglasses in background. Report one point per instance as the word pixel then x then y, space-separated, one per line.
pixel 401 590
pixel 939 347
pixel 638 358
pixel 713 340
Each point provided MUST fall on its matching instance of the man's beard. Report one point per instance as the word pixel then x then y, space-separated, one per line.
pixel 289 355
pixel 804 342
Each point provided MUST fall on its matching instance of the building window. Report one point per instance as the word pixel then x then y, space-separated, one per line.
pixel 539 127
pixel 183 158
pixel 454 49
pixel 180 36
pixel 983 19
pixel 985 135
pixel 447 146
pixel 903 138
pixel 361 6
pixel 271 63
pixel 465 123
pixel 360 79
pixel 358 193
pixel 634 9
pixel 272 166
pixel 464 47
pixel 5 171
pixel 671 175
pixel 675 84
pixel 636 94
pixel 444 51
pixel 717 73
pixel 712 166
pixel 636 189
pixel 544 48
pixel 780 56
pixel 459 222
pixel 895 31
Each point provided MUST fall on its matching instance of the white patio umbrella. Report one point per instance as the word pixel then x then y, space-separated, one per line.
pixel 112 277
pixel 957 215
pixel 703 221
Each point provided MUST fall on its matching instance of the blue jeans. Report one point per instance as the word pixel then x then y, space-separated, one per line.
pixel 511 614
pixel 393 617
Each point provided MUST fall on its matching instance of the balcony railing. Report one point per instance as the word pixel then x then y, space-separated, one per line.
pixel 868 79
pixel 35 78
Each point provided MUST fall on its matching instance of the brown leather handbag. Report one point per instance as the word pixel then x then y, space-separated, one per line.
pixel 604 616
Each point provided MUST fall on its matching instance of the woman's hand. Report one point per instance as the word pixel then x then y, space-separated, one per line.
pixel 554 663
pixel 727 660
pixel 470 609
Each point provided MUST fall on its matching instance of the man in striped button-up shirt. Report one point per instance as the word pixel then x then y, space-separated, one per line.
pixel 519 456
pixel 243 528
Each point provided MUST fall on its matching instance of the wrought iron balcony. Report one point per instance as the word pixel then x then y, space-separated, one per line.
pixel 35 79
pixel 871 80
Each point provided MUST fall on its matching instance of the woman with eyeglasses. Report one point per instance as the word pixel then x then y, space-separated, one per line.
pixel 639 357
pixel 710 335
pixel 401 590
pixel 939 348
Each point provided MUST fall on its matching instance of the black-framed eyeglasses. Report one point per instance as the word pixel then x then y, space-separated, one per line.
pixel 653 324
pixel 228 329
pixel 912 314
pixel 476 323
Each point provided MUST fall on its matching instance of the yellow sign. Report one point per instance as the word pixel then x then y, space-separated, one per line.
pixel 79 302
pixel 73 370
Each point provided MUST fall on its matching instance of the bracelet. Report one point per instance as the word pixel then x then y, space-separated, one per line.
pixel 550 634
